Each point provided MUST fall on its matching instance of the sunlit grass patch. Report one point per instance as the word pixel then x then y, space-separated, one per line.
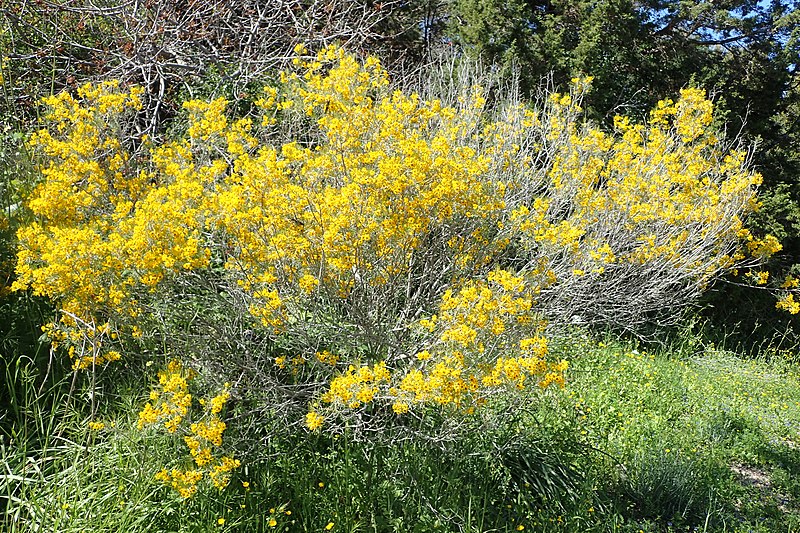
pixel 680 428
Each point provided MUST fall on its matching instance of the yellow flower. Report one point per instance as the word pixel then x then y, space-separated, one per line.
pixel 314 420
pixel 273 522
pixel 400 407
pixel 788 303
pixel 329 526
pixel 221 521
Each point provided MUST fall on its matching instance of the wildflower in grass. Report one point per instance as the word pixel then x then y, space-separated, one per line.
pixel 329 526
pixel 96 426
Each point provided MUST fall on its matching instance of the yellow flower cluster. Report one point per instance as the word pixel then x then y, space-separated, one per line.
pixel 759 277
pixel 355 209
pixel 171 404
pixel 183 482
pixel 450 381
pixel 463 365
pixel 790 282
pixel 442 383
pixel 220 473
pixel 356 386
pixel 763 248
pixel 86 166
pixel 655 192
pixel 516 369
pixel 314 420
pixel 327 357
pixel 103 227
pixel 481 312
pixel 789 304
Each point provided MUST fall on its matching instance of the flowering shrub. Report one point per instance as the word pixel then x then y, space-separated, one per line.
pixel 380 253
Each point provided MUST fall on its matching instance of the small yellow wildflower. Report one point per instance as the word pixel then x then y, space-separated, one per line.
pixel 329 526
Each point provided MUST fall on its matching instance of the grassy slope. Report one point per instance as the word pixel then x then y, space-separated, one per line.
pixel 637 441
pixel 708 440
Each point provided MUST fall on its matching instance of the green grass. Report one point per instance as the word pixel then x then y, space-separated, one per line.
pixel 637 441
pixel 706 441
